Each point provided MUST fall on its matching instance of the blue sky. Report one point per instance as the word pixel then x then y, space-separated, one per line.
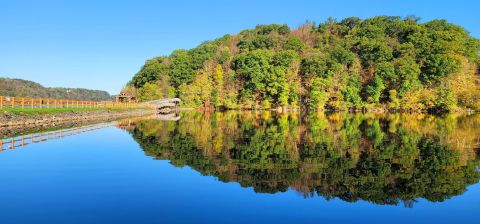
pixel 102 44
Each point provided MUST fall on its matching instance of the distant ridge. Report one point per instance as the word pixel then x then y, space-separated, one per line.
pixel 25 88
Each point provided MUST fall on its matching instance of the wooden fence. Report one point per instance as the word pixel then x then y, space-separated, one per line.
pixel 24 140
pixel 21 102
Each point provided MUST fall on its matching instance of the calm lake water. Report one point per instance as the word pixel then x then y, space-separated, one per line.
pixel 248 167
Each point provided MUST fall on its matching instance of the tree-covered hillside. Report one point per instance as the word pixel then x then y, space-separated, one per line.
pixel 382 62
pixel 24 88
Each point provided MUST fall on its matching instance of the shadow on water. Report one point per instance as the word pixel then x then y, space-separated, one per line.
pixel 384 159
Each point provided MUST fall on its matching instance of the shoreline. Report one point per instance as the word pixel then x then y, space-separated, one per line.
pixel 12 120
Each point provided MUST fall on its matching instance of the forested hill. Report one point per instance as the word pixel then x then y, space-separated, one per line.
pixel 24 88
pixel 382 62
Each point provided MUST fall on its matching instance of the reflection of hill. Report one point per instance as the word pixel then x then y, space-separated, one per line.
pixel 382 159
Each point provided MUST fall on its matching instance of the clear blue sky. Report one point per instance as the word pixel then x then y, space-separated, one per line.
pixel 101 44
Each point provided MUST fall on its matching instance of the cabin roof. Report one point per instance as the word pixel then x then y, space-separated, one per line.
pixel 124 94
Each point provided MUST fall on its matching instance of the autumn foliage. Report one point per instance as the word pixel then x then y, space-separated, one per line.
pixel 382 62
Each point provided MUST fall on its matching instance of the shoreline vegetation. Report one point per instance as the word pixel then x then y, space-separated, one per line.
pixel 384 63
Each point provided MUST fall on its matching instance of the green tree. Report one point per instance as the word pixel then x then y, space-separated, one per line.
pixel 181 69
pixel 294 43
pixel 315 65
pixel 407 71
pixel 374 89
pixel 373 51
pixel 386 71
pixel 445 101
pixel 318 95
pixel 149 91
pixel 437 66
pixel 151 72
pixel 341 55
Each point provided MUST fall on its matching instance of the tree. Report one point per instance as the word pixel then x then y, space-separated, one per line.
pixel 151 72
pixel 254 67
pixel 315 65
pixel 341 55
pixel 374 89
pixel 218 81
pixel 181 70
pixel 407 71
pixel 149 91
pixel 445 101
pixel 351 92
pixel 373 51
pixel 438 66
pixel 386 71
pixel 318 95
pixel 294 43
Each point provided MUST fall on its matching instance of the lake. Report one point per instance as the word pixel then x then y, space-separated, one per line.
pixel 247 167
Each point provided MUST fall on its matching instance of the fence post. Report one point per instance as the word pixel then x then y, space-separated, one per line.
pixel 48 103
pixel 1 102
pixel 23 103
pixel 12 100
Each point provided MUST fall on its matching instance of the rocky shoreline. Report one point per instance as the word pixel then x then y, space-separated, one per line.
pixel 14 123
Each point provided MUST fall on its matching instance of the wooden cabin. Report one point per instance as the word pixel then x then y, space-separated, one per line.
pixel 125 97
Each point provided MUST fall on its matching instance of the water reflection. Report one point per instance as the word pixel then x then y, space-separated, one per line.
pixel 14 142
pixel 384 159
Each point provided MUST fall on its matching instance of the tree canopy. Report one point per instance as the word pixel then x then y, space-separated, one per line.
pixel 352 63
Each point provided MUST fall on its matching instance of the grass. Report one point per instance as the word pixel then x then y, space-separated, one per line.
pixel 35 111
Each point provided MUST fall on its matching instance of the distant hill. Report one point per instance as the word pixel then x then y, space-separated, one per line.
pixel 25 88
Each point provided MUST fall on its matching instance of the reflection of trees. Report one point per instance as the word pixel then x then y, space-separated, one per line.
pixel 382 159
